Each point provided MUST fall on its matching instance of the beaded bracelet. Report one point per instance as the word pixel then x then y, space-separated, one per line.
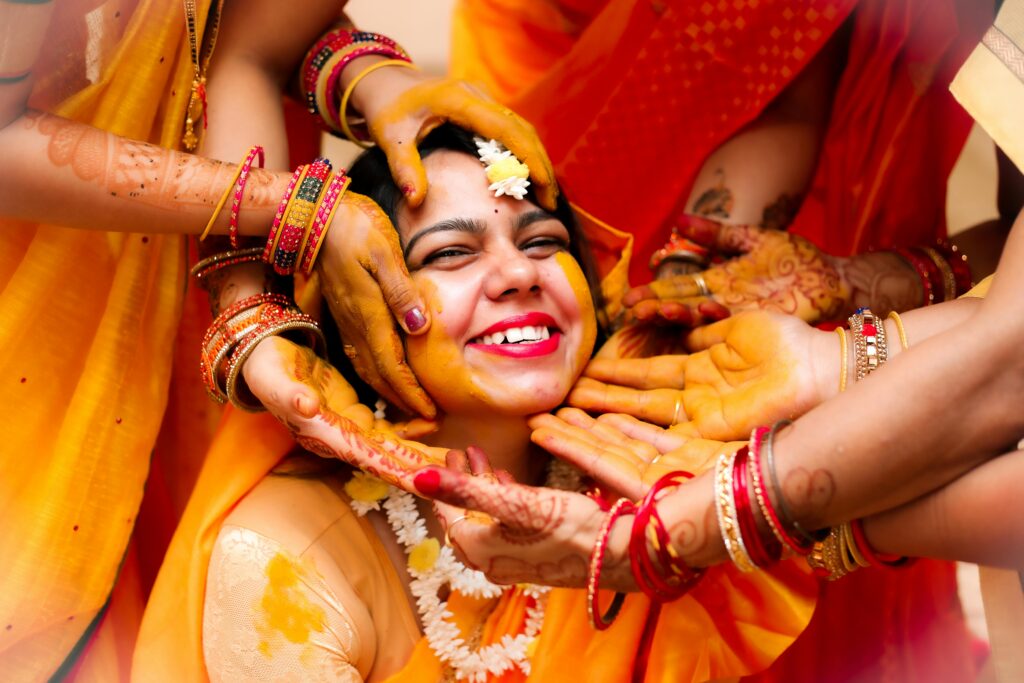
pixel 598 620
pixel 225 259
pixel 299 215
pixel 869 343
pixel 317 58
pixel 292 321
pixel 255 152
pixel 227 330
pixel 282 207
pixel 316 236
pixel 725 509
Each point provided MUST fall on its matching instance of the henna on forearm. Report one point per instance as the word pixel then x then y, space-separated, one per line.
pixel 881 281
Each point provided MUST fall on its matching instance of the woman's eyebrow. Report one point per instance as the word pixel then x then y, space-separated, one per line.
pixel 459 224
pixel 530 217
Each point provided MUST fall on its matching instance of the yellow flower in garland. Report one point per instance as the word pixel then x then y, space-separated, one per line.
pixel 424 555
pixel 364 488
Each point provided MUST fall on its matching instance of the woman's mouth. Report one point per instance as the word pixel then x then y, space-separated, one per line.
pixel 522 336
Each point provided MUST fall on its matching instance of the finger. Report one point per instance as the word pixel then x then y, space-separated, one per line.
pixel 498 123
pixel 672 311
pixel 389 360
pixel 601 431
pixel 478 462
pixel 399 146
pixel 504 476
pixel 653 405
pixel 416 428
pixel 456 460
pixel 461 489
pixel 722 237
pixel 657 372
pixel 609 472
pixel 598 438
pixel 661 439
pixel 707 336
pixel 388 268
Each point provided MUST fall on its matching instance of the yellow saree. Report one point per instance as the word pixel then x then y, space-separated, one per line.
pixel 87 323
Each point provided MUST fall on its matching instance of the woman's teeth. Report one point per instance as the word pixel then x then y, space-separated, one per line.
pixel 515 335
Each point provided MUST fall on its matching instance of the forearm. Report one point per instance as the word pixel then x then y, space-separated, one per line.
pixel 77 176
pixel 913 426
pixel 881 281
pixel 972 519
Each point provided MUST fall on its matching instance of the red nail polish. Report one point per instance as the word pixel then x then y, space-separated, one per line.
pixel 407 189
pixel 415 319
pixel 427 482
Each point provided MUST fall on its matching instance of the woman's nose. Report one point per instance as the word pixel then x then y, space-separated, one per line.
pixel 512 273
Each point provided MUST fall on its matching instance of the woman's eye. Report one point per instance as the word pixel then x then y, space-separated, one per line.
pixel 545 246
pixel 446 255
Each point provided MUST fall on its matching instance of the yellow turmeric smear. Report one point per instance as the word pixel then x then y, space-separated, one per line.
pixel 285 608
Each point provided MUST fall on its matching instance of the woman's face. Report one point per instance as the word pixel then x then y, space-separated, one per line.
pixel 513 319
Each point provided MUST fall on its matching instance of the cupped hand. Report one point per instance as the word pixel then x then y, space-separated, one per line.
pixel 771 270
pixel 748 370
pixel 367 286
pixel 322 410
pixel 620 453
pixel 402 106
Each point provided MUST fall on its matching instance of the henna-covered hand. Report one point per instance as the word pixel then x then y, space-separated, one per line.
pixel 322 410
pixel 776 271
pixel 622 454
pixel 535 534
pixel 751 369
pixel 362 276
pixel 402 106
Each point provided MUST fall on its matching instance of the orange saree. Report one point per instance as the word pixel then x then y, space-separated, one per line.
pixel 631 96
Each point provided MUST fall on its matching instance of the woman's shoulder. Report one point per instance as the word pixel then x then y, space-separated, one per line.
pixel 276 602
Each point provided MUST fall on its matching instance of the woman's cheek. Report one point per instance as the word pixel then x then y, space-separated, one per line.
pixel 435 358
pixel 585 306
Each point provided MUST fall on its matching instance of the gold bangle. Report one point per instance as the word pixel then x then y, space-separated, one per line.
pixel 223 199
pixel 895 317
pixel 844 351
pixel 948 278
pixel 728 522
pixel 343 120
pixel 300 322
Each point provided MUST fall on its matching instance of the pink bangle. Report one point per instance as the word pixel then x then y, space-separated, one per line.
pixel 763 551
pixel 268 250
pixel 764 501
pixel 598 620
pixel 236 201
pixel 322 222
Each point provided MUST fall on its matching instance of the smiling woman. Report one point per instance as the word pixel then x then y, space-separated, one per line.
pixel 320 571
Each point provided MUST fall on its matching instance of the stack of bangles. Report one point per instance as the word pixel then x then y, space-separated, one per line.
pixel 943 270
pixel 321 75
pixel 296 235
pixel 237 331
pixel 658 568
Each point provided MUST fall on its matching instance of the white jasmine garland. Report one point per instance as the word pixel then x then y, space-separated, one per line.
pixel 442 634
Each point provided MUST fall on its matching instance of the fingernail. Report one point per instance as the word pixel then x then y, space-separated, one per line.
pixel 415 319
pixel 407 189
pixel 305 405
pixel 427 482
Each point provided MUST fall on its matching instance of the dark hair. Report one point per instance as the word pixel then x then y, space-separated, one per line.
pixel 371 176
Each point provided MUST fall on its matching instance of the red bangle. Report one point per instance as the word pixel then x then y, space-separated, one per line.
pixel 763 550
pixel 958 263
pixel 598 620
pixel 648 523
pixel 923 267
pixel 764 501
pixel 236 201
pixel 873 558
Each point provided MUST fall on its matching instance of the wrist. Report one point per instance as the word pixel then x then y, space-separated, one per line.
pixel 829 357
pixel 881 281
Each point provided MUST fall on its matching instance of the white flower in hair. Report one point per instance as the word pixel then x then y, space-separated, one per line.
pixel 507 175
